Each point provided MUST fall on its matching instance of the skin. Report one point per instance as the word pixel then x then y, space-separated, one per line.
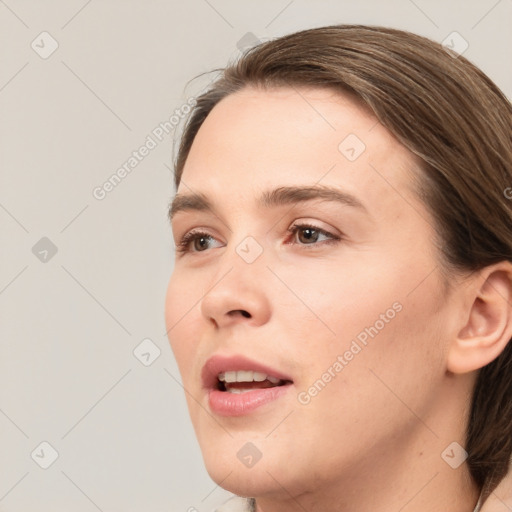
pixel 372 439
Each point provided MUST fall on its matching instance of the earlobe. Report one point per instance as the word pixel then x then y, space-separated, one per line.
pixel 488 328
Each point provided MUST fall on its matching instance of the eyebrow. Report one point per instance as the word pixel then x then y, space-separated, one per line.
pixel 273 198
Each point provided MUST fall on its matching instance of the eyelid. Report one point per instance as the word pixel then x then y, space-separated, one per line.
pixel 189 236
pixel 316 224
pixel 298 224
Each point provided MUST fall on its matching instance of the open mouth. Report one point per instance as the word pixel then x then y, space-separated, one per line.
pixel 236 385
pixel 243 381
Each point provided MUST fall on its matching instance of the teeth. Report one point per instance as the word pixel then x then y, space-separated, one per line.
pixel 246 376
pixel 228 377
pixel 259 377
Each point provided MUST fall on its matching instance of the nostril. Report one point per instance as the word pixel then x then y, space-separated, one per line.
pixel 242 312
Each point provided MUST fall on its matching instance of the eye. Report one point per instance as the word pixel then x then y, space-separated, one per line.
pixel 197 241
pixel 302 234
pixel 308 234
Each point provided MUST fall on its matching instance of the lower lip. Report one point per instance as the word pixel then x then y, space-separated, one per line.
pixel 225 403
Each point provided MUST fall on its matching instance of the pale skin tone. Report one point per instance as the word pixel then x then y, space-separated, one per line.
pixel 372 439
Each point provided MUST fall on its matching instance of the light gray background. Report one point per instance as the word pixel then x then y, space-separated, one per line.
pixel 69 325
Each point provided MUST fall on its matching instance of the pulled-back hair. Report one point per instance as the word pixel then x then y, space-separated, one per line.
pixel 457 122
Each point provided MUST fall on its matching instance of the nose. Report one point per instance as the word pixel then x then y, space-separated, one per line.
pixel 238 296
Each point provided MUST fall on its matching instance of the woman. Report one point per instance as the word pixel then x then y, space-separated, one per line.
pixel 341 303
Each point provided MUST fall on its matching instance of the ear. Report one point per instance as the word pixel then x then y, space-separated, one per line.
pixel 488 328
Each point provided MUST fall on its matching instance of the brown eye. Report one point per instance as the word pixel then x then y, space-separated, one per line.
pixel 307 235
pixel 197 242
pixel 200 243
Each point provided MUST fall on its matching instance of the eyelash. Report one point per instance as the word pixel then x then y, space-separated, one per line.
pixel 191 236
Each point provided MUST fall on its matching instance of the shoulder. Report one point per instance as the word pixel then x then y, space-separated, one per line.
pixel 500 499
pixel 237 504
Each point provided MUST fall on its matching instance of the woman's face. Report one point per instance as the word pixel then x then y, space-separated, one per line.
pixel 308 259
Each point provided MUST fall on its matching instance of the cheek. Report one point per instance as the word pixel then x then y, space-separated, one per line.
pixel 359 389
pixel 184 294
pixel 370 318
pixel 334 301
pixel 401 340
pixel 182 305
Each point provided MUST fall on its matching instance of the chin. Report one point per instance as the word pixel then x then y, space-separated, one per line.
pixel 226 467
pixel 246 482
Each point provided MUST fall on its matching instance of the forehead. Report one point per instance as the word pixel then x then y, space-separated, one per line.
pixel 256 140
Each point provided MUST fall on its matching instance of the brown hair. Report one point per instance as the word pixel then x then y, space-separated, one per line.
pixel 457 122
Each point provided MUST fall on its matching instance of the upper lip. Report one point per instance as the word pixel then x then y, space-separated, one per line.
pixel 220 364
